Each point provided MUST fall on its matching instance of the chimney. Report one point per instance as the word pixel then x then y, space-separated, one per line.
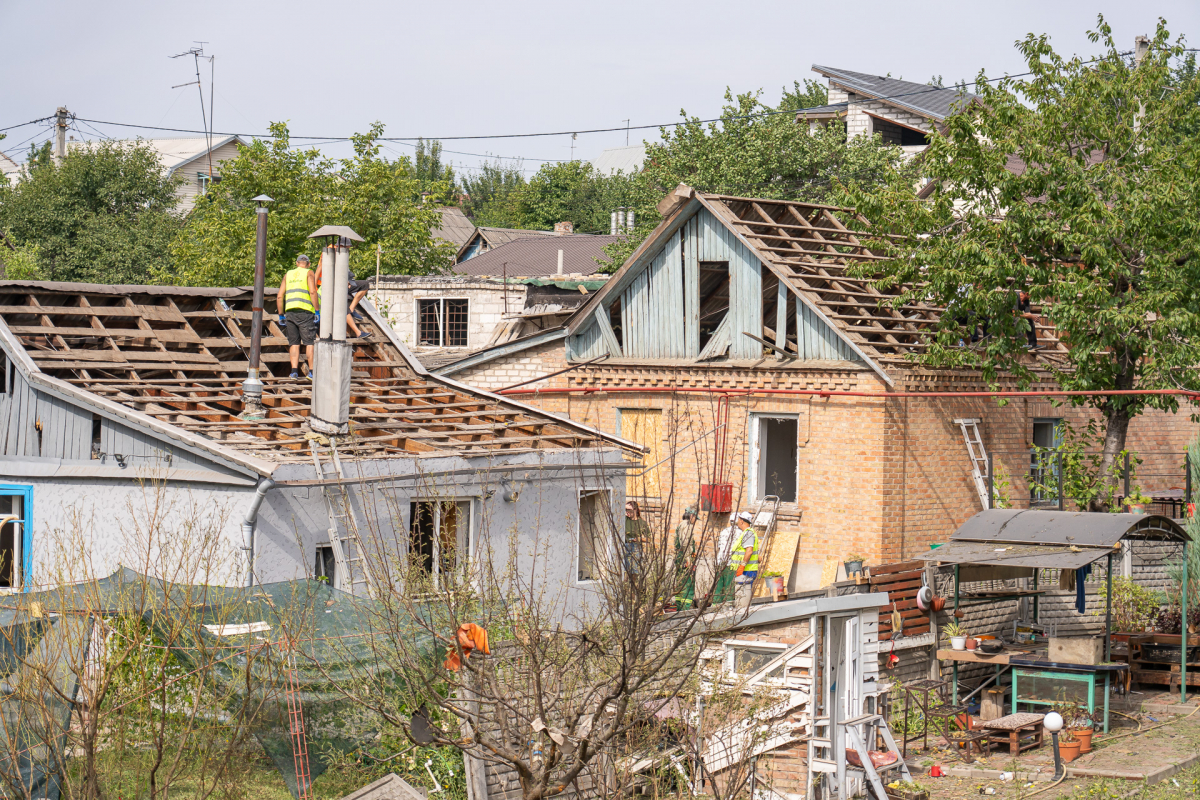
pixel 612 225
pixel 1141 46
pixel 564 228
pixel 560 262
pixel 629 220
pixel 330 413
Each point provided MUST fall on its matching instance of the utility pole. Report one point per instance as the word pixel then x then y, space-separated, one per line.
pixel 626 131
pixel 1141 47
pixel 60 135
pixel 574 136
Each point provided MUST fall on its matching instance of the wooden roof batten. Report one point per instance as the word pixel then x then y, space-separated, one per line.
pixel 180 358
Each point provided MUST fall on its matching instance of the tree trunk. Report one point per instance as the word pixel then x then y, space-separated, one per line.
pixel 1117 420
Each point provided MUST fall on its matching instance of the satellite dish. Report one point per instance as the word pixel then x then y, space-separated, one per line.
pixel 420 728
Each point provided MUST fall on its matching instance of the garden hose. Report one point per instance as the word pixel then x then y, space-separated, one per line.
pixel 1140 729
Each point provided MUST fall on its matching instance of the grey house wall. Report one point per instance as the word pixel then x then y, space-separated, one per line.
pixel 543 522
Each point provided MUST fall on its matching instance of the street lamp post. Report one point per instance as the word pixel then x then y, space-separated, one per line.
pixel 252 387
pixel 1054 723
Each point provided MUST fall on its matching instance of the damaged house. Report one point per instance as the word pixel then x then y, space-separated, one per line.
pixel 109 390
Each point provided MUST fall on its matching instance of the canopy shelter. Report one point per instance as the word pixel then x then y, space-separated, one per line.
pixel 1008 543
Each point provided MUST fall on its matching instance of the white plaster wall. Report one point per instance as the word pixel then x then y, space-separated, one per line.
pixel 398 304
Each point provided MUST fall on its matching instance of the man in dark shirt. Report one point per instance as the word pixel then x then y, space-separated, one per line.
pixel 1025 311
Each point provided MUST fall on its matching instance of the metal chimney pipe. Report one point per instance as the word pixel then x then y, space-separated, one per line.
pixel 612 225
pixel 620 219
pixel 252 387
pixel 327 283
pixel 629 220
pixel 560 260
pixel 339 282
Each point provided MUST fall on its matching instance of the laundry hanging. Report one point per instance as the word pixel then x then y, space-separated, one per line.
pixel 1080 592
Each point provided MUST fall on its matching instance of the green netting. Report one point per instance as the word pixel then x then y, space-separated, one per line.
pixel 254 645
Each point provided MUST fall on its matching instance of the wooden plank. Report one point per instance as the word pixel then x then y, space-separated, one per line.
pixel 894 577
pixel 903 566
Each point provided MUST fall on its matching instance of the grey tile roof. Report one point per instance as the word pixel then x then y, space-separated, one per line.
pixel 455 227
pixel 934 102
pixel 538 257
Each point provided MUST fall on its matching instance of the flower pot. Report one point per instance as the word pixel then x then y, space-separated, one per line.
pixel 971 643
pixel 1135 508
pixel 1069 750
pixel 958 643
pixel 775 584
pixel 853 567
pixel 1084 735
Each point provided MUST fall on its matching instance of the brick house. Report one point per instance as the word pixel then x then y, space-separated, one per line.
pixel 735 346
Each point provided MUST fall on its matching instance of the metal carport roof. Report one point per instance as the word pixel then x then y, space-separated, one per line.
pixel 1048 539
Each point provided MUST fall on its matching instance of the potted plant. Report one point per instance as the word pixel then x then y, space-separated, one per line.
pixel 956 633
pixel 774 581
pixel 854 564
pixel 1068 745
pixel 1137 502
pixel 1134 608
pixel 971 643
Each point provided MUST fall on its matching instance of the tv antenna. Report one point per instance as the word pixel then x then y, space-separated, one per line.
pixel 197 53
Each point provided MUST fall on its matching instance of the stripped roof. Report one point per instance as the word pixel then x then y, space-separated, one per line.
pixel 535 258
pixel 811 248
pixel 178 356
pixel 935 102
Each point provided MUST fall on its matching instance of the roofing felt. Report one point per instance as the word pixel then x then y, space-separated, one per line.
pixel 455 227
pixel 538 257
pixel 812 247
pixel 935 102
pixel 178 355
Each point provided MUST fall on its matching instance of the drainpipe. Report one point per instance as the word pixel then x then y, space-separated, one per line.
pixel 264 485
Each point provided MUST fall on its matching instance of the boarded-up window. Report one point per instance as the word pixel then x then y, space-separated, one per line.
pixel 594 520
pixel 644 426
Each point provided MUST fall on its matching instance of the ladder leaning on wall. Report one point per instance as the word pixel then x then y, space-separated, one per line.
pixel 349 570
pixel 978 456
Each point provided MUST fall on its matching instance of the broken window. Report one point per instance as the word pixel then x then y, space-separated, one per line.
pixel 714 298
pixel 594 519
pixel 440 537
pixel 776 451
pixel 1043 467
pixel 745 659
pixel 326 565
pixel 442 322
pixel 14 545
pixel 614 321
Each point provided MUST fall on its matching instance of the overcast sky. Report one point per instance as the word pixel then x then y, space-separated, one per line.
pixel 440 69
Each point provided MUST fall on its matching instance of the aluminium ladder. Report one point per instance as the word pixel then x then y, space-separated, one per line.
pixel 860 734
pixel 978 456
pixel 347 547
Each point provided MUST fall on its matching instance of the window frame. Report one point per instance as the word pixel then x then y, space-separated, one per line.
pixel 443 321
pixel 26 526
pixel 732 646
pixel 435 557
pixel 1057 440
pixel 578 555
pixel 754 453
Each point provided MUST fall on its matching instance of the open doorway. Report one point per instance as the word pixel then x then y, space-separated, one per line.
pixel 14 550
pixel 714 298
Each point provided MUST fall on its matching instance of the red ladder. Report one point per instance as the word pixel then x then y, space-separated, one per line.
pixel 296 730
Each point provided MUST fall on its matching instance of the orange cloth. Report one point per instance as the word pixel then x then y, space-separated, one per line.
pixel 470 637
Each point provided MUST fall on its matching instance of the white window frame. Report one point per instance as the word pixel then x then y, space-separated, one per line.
pixel 578 554
pixel 733 645
pixel 472 516
pixel 757 484
pixel 441 300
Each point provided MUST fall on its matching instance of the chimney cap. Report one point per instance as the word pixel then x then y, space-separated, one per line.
pixel 336 230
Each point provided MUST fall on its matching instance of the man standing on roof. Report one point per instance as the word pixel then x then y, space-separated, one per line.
pixel 739 545
pixel 299 312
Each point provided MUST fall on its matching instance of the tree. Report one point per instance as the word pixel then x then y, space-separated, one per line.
pixel 758 151
pixel 573 191
pixel 379 199
pixel 809 95
pixel 493 194
pixel 1096 221
pixel 105 215
pixel 433 175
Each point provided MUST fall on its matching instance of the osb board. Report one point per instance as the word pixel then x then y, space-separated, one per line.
pixel 781 552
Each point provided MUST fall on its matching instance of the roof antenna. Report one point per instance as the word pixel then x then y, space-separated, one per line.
pixel 197 53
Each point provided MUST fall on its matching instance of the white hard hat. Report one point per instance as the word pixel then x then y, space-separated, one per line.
pixel 746 516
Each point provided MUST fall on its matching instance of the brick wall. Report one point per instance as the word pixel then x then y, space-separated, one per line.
pixel 517 368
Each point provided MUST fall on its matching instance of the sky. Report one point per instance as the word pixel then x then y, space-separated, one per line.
pixel 480 69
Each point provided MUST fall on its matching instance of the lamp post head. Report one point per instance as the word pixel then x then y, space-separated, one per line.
pixel 1053 722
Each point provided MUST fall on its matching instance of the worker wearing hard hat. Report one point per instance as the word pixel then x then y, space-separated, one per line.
pixel 738 547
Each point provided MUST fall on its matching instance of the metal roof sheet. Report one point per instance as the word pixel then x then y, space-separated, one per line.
pixel 936 102
pixel 538 257
pixel 1016 555
pixel 1065 528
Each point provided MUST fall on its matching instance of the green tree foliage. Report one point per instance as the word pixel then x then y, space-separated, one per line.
pixel 493 194
pixel 434 176
pixel 758 151
pixel 573 191
pixel 379 199
pixel 1100 226
pixel 103 216
pixel 810 94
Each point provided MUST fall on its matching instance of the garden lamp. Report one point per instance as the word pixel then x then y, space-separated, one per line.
pixel 1053 722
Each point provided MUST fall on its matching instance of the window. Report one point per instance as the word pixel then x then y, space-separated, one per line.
pixel 325 566
pixel 595 511
pixel 1043 469
pixel 440 536
pixel 205 181
pixel 442 322
pixel 747 658
pixel 714 298
pixel 97 436
pixel 15 545
pixel 644 426
pixel 774 456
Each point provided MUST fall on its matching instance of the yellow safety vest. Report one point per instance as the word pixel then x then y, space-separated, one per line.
pixel 295 291
pixel 739 552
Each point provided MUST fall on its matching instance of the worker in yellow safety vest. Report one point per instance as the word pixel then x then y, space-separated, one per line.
pixel 299 312
pixel 743 558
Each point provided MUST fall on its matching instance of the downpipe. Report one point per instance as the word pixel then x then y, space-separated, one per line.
pixel 264 485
